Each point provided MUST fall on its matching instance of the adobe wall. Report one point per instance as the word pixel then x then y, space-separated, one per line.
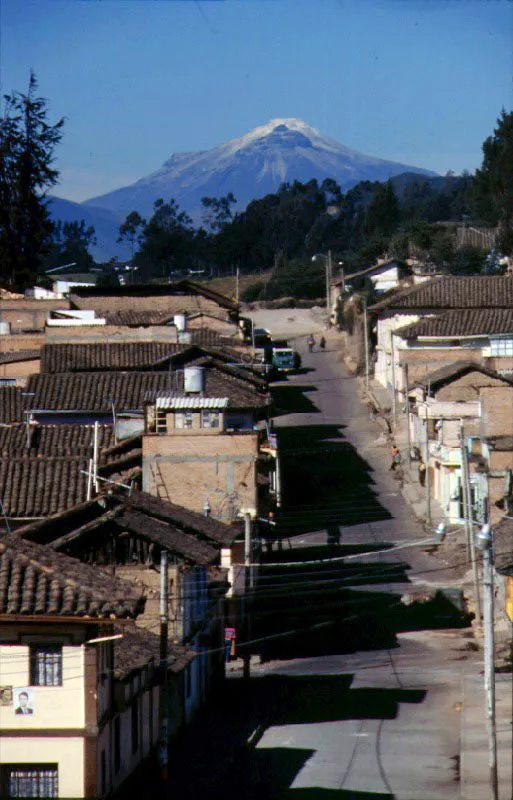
pixel 188 470
pixel 421 362
pixel 20 369
pixel 108 334
pixel 21 341
pixel 467 387
pixel 497 410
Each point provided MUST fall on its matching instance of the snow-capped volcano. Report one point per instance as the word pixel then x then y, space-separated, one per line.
pixel 251 167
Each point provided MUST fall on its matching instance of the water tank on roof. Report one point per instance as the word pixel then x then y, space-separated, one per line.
pixel 180 321
pixel 194 379
pixel 5 328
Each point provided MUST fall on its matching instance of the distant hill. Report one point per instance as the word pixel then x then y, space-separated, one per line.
pixel 284 150
pixel 105 223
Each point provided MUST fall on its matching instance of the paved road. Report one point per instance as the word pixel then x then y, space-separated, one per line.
pixel 370 710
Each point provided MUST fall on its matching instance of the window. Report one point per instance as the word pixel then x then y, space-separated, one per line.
pixel 210 419
pixel 31 780
pixel 135 726
pixel 46 665
pixel 501 347
pixel 183 419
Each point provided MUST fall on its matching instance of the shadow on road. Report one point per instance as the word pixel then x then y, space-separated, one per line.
pixel 224 754
pixel 291 399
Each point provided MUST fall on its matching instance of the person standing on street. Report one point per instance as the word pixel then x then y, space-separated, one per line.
pixel 322 343
pixel 422 473
pixel 396 457
pixel 311 342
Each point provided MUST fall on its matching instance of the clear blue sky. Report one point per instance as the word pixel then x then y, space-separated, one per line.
pixel 417 81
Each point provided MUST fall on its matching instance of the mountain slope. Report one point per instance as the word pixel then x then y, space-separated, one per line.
pixel 105 223
pixel 251 167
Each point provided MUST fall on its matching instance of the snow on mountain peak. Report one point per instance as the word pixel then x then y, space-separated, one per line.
pixel 285 125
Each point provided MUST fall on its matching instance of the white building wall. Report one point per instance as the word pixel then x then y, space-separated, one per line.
pixel 66 752
pixel 54 706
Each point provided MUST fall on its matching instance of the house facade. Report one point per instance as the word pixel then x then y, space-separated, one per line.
pixel 56 619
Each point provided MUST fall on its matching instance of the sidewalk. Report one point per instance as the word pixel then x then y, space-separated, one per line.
pixel 474 749
pixel 474 769
pixel 414 494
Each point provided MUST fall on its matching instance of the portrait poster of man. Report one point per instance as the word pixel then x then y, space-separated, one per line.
pixel 24 701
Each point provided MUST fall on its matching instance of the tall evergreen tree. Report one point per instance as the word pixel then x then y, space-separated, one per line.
pixel 27 144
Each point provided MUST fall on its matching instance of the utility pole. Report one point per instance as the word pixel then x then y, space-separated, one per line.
pixel 164 630
pixel 467 505
pixel 428 487
pixel 366 340
pixel 489 667
pixel 237 286
pixel 328 289
pixel 394 399
pixel 247 585
pixel 407 393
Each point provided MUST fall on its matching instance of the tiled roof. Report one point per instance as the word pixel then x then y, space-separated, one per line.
pixel 36 487
pixel 49 478
pixel 89 391
pixel 60 358
pixel 11 404
pixel 470 291
pixel 453 371
pixel 136 319
pixel 167 536
pixel 139 647
pixel 189 521
pixel 19 355
pixel 134 356
pixel 35 580
pixel 452 324
pixel 404 268
pixel 54 440
pixel 179 288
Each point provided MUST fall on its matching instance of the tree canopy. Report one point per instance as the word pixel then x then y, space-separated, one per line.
pixel 27 145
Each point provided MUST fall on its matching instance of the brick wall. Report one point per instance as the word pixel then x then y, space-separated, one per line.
pixel 20 369
pixel 188 470
pixel 29 315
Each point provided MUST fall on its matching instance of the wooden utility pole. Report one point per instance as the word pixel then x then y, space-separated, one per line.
pixel 394 399
pixel 163 752
pixel 407 392
pixel 467 506
pixel 247 586
pixel 489 670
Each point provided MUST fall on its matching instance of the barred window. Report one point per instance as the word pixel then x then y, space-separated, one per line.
pixel 46 665
pixel 31 780
pixel 183 419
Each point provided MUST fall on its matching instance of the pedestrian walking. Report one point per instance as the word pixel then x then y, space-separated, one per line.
pixel 322 343
pixel 311 342
pixel 396 457
pixel 422 473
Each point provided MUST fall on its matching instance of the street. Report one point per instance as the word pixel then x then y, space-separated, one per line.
pixel 353 694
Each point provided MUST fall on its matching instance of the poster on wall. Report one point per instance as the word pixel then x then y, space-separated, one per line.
pixel 24 701
pixel 5 695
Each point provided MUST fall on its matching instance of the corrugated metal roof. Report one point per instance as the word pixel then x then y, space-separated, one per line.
pixel 191 401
